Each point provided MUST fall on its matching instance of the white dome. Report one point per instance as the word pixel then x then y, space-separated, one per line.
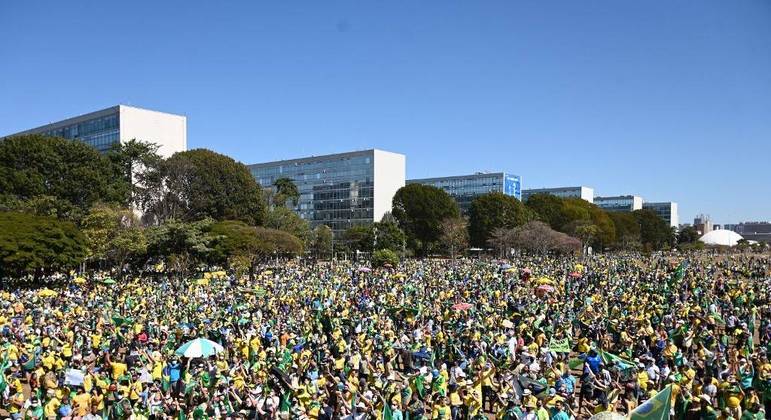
pixel 721 237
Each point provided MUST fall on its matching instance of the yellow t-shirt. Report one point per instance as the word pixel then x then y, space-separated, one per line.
pixel 118 369
pixel 81 404
pixel 50 408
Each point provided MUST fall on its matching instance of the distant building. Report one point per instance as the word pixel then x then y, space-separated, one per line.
pixel 340 190
pixel 584 193
pixel 666 210
pixel 121 123
pixel 703 224
pixel 619 203
pixel 464 188
pixel 754 231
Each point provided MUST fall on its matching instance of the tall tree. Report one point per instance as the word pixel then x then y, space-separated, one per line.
pixel 549 209
pixel 286 189
pixel 388 235
pixel 627 229
pixel 72 172
pixel 31 244
pixel 322 241
pixel 687 235
pixel 138 163
pixel 495 210
pixel 654 231
pixel 358 238
pixel 199 184
pixel 420 210
pixel 455 235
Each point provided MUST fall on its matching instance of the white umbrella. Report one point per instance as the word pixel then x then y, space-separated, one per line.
pixel 200 347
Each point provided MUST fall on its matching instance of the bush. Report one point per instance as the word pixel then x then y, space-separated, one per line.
pixel 382 257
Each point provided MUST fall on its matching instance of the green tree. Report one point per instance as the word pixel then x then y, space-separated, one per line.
pixel 455 236
pixel 607 230
pixel 549 209
pixel 31 244
pixel 113 234
pixel 383 257
pixel 495 210
pixel 42 205
pixel 138 163
pixel 627 229
pixel 654 231
pixel 71 172
pixel 584 230
pixel 181 244
pixel 235 241
pixel 323 241
pixel 285 190
pixel 283 218
pixel 420 210
pixel 388 235
pixel 100 226
pixel 688 235
pixel 358 238
pixel 130 243
pixel 199 184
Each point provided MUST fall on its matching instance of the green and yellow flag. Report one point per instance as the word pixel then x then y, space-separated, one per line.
pixel 656 408
pixel 560 346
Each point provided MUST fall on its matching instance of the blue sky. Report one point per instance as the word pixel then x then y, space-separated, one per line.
pixel 669 100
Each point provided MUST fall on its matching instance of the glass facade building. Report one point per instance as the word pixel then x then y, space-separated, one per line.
pixel 619 203
pixel 464 188
pixel 341 190
pixel 584 193
pixel 666 210
pixel 102 129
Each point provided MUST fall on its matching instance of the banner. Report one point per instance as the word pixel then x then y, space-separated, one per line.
pixel 560 346
pixel 74 377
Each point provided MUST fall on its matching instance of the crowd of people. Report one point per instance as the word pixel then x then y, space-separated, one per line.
pixel 527 338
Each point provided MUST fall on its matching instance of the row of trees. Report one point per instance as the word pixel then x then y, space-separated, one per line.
pixel 432 223
pixel 64 204
pixel 199 206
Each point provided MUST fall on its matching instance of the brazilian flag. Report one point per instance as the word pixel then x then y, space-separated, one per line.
pixel 656 408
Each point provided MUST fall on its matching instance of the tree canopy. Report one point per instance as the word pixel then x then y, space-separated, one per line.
pixel 31 244
pixel 71 172
pixel 655 233
pixel 492 211
pixel 199 184
pixel 420 210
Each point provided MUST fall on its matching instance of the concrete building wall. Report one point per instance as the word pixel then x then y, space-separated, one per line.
pixel 390 175
pixel 169 131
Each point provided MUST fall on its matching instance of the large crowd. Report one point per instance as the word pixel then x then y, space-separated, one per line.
pixel 527 338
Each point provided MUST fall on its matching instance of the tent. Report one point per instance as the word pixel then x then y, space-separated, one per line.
pixel 721 237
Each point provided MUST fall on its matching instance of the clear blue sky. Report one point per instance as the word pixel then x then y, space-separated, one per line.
pixel 669 100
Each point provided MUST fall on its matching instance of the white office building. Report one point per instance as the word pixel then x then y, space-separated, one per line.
pixel 121 123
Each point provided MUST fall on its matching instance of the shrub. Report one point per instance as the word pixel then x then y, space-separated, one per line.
pixel 382 257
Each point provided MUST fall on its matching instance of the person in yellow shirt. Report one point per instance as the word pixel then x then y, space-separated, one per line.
pixel 118 369
pixel 441 410
pixel 81 404
pixel 52 405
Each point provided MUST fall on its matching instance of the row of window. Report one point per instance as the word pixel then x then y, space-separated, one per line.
pixel 86 128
